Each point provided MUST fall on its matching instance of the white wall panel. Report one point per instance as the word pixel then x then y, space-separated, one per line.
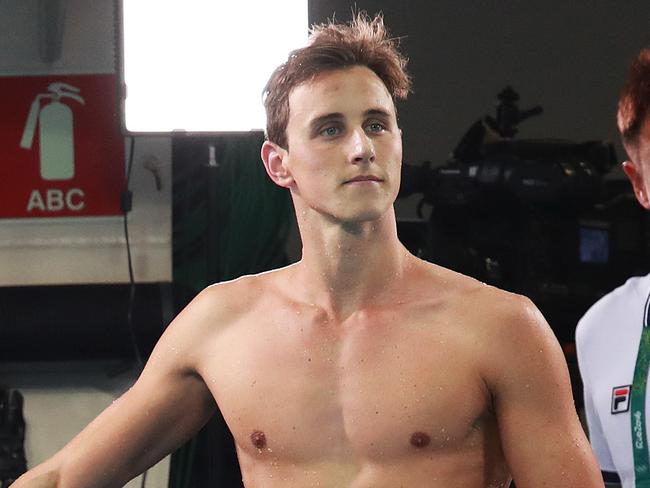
pixel 86 249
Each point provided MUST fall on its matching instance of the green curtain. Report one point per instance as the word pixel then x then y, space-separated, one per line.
pixel 252 219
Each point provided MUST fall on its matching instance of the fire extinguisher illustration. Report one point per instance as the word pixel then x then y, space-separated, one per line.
pixel 56 136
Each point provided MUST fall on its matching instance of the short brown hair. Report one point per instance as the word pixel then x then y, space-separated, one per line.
pixel 635 98
pixel 363 41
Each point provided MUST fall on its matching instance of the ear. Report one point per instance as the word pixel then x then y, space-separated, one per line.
pixel 636 178
pixel 274 158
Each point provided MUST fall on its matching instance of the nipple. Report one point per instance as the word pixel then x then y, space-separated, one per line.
pixel 420 439
pixel 258 439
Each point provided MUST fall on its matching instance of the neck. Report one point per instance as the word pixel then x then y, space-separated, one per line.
pixel 348 267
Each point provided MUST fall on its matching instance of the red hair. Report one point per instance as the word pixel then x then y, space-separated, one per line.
pixel 635 98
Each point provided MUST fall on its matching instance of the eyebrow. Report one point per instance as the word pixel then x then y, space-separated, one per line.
pixel 380 112
pixel 372 112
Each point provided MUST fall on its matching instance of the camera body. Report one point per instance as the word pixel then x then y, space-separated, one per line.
pixel 543 218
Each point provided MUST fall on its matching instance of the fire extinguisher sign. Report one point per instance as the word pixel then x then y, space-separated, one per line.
pixel 62 151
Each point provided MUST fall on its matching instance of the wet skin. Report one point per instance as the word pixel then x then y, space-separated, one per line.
pixel 361 366
pixel 390 397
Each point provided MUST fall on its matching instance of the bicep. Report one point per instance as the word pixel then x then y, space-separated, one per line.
pixel 167 404
pixel 541 435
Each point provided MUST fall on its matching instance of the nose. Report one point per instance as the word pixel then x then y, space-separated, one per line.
pixel 362 148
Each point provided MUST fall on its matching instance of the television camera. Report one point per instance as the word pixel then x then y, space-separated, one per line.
pixel 544 218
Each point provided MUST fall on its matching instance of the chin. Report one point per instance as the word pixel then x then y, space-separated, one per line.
pixel 365 215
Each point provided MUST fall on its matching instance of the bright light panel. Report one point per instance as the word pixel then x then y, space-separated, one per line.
pixel 201 65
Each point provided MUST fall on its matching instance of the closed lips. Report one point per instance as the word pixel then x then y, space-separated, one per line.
pixel 364 178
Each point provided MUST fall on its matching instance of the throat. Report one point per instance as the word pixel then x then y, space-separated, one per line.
pixel 350 282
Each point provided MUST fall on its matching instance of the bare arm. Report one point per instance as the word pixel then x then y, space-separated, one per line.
pixel 167 404
pixel 542 438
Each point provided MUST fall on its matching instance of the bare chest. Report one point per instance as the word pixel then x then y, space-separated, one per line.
pixel 380 390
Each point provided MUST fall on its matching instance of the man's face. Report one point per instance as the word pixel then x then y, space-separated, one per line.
pixel 637 167
pixel 345 149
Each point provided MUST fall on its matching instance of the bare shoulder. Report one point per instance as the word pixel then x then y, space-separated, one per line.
pixel 225 300
pixel 220 304
pixel 512 338
pixel 496 320
pixel 513 351
pixel 216 309
pixel 493 309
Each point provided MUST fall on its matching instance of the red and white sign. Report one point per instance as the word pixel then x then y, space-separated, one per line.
pixel 62 154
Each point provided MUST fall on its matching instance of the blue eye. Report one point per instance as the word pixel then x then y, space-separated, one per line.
pixel 330 131
pixel 376 127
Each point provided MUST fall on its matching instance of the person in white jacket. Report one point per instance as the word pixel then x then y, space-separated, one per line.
pixel 613 337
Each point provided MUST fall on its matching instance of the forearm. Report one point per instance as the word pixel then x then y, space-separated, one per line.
pixel 45 475
pixel 52 474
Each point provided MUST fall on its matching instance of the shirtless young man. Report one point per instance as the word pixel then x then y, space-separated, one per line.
pixel 360 366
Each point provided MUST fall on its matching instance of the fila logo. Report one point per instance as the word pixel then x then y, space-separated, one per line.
pixel 621 399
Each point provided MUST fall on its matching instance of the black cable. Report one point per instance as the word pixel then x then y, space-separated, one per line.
pixel 126 204
pixel 144 479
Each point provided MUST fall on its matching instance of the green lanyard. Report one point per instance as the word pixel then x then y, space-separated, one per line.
pixel 637 418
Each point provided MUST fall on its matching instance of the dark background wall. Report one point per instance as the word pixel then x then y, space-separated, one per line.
pixel 569 57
